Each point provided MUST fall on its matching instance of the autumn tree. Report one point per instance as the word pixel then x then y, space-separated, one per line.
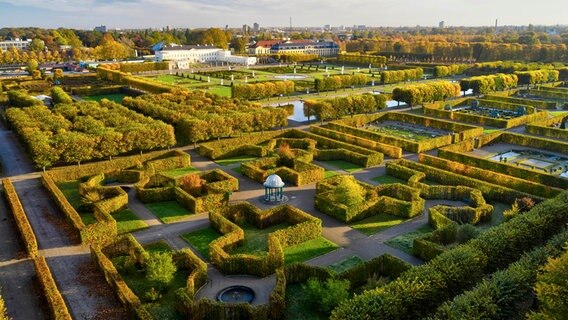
pixel 160 268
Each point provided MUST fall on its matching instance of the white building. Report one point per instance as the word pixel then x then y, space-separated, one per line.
pixel 183 56
pixel 15 43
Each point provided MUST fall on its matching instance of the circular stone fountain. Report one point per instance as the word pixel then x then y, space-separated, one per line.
pixel 236 294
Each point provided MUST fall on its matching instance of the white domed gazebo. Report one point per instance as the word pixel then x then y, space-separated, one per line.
pixel 273 187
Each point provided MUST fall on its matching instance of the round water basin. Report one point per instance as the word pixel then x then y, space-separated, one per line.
pixel 236 294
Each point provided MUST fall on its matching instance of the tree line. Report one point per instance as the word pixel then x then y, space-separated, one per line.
pixel 490 83
pixel 77 132
pixel 426 92
pixel 340 81
pixel 364 59
pixel 199 116
pixel 336 108
pixel 394 76
pixel 262 90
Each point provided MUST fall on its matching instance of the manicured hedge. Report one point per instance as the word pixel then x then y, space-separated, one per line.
pixel 450 70
pixel 300 174
pixel 303 227
pixel 146 66
pixel 505 294
pixel 395 199
pixel 421 290
pixel 461 131
pixel 524 101
pixel 547 128
pixel 540 190
pixel 57 308
pixel 532 115
pixel 490 83
pixel 22 221
pixel 385 148
pixel 123 292
pixel 458 153
pixel 404 169
pixel 228 148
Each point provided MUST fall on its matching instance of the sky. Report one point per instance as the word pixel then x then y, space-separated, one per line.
pixel 86 14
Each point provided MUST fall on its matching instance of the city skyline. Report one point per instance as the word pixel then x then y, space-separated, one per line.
pixel 125 14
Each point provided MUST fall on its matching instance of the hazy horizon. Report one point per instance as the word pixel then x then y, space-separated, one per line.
pixel 127 14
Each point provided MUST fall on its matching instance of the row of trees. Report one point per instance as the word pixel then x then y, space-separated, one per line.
pixel 261 90
pixel 73 133
pixel 342 106
pixel 435 51
pixel 537 76
pixel 449 70
pixel 487 84
pixel 364 59
pixel 395 76
pixel 426 92
pixel 20 99
pixel 200 116
pixel 339 82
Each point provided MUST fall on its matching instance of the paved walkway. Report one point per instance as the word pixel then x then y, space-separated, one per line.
pixel 351 241
pixel 69 263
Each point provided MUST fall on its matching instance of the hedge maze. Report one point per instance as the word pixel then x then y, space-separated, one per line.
pixel 486 112
pixel 479 213
pixel 394 199
pixel 104 201
pixel 300 227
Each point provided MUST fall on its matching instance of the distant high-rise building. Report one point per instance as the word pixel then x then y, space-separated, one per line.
pixel 246 28
pixel 101 28
pixel 441 24
pixel 327 27
pixel 256 27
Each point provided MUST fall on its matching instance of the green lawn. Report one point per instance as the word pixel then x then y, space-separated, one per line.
pixel 201 239
pixel 116 97
pixel 178 172
pixel 490 130
pixel 127 221
pixel 233 160
pixel 329 174
pixel 70 190
pixel 345 264
pixel 344 165
pixel 169 211
pixel 308 250
pixel 376 223
pixel 256 239
pixel 404 242
pixel 160 246
pixel 386 179
pixel 255 243
pixel 298 307
pixel 168 78
pixel 238 170
pixel 223 91
pixel 557 113
pixel 164 307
